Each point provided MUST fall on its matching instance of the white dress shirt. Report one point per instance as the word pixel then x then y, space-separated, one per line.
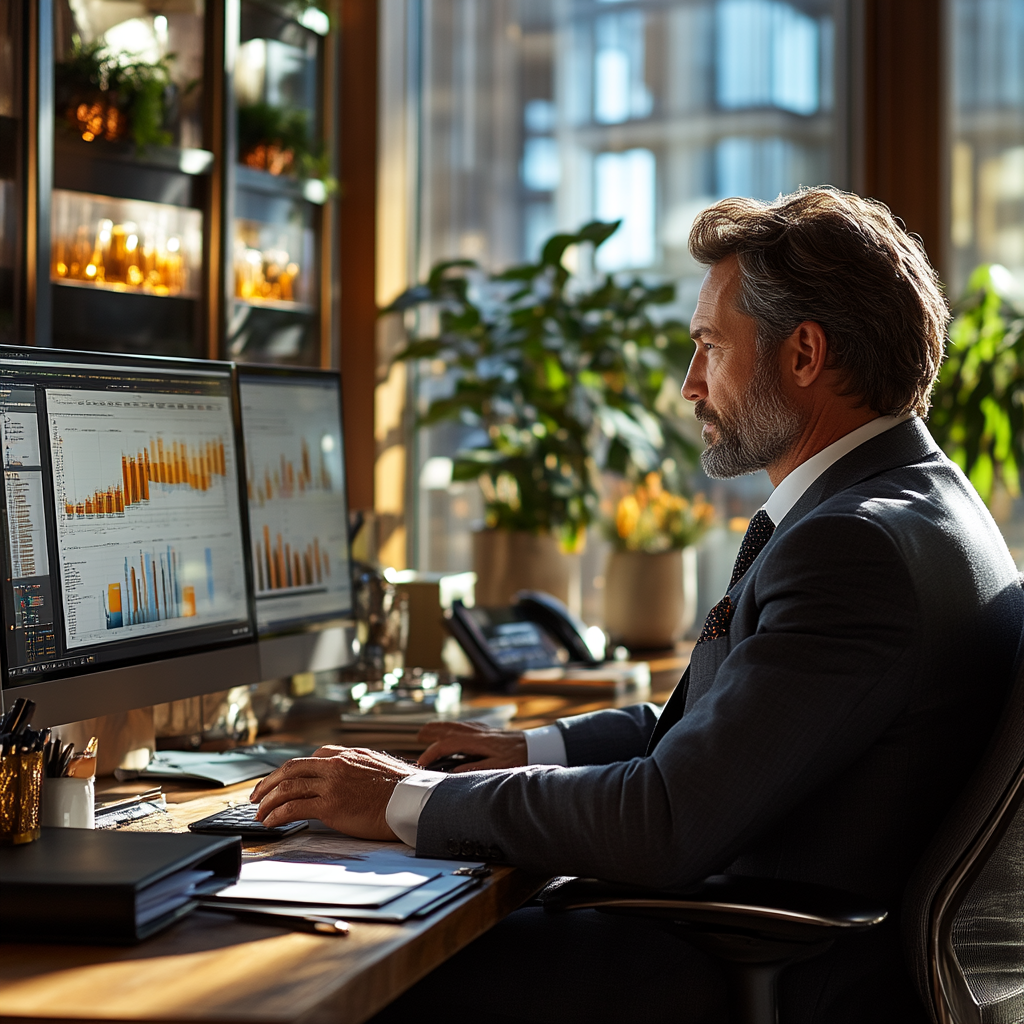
pixel 546 745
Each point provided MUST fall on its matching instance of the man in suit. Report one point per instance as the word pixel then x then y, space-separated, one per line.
pixel 838 696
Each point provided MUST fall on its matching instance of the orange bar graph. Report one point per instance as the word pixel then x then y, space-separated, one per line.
pixel 179 464
pixel 279 566
pixel 286 479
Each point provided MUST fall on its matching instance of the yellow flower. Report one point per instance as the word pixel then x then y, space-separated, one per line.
pixel 653 519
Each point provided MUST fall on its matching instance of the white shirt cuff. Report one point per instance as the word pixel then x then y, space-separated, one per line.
pixel 546 746
pixel 407 803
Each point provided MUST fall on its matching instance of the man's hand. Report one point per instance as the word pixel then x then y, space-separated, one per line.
pixel 347 788
pixel 499 748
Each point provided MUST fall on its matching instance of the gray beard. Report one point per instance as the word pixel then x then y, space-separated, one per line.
pixel 766 428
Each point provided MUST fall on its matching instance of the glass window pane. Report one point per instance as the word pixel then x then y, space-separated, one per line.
pixel 541 115
pixel 127 223
pixel 279 186
pixel 986 168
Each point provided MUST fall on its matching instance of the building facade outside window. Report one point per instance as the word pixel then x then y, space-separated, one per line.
pixel 531 116
pixel 986 127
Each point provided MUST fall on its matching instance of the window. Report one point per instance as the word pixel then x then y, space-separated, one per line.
pixel 986 213
pixel 537 116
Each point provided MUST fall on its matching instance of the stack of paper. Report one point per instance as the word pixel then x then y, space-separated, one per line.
pixel 168 894
pixel 382 886
pixel 613 678
pixel 398 731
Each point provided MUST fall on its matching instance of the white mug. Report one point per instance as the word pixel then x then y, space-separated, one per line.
pixel 69 803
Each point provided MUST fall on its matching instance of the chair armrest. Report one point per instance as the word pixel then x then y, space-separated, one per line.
pixel 794 911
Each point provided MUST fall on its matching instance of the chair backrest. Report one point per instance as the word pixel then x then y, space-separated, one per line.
pixel 963 913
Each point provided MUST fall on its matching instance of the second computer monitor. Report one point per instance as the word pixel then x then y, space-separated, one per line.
pixel 298 517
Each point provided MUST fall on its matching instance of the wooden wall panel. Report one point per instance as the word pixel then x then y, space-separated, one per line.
pixel 357 175
pixel 901 125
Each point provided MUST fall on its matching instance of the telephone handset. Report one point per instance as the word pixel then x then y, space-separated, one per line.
pixel 538 631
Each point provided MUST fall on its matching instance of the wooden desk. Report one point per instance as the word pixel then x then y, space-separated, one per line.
pixel 210 967
pixel 213 968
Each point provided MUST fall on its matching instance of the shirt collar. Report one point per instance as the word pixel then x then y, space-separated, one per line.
pixel 792 487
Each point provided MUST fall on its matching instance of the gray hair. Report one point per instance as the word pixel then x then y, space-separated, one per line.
pixel 823 255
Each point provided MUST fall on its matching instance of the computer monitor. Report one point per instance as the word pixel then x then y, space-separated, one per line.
pixel 298 518
pixel 128 577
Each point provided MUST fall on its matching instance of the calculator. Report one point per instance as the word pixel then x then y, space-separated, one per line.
pixel 240 820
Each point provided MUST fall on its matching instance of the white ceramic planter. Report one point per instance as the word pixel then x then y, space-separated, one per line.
pixel 650 600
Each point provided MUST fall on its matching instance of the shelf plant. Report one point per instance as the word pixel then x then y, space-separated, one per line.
pixel 108 96
pixel 277 140
pixel 562 377
pixel 977 413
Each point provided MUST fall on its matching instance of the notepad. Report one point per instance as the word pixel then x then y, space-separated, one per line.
pixel 340 885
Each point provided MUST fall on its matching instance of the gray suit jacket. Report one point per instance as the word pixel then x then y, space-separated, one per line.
pixel 823 737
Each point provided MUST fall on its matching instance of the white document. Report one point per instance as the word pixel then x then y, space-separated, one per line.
pixel 353 884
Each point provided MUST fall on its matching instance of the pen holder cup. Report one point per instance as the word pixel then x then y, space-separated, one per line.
pixel 21 782
pixel 69 803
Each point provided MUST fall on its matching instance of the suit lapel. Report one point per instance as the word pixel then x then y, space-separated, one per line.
pixel 903 445
pixel 672 711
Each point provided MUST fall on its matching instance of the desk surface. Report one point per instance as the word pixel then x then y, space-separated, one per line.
pixel 213 968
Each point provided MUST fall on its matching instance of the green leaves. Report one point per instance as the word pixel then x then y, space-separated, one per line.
pixel 136 88
pixel 978 402
pixel 561 378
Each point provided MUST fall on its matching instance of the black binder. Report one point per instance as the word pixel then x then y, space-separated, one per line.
pixel 85 886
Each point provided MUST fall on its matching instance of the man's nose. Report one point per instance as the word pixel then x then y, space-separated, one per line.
pixel 695 386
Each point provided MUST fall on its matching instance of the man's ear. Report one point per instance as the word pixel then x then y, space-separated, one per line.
pixel 804 354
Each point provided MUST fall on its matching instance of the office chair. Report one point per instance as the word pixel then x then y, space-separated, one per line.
pixel 963 911
pixel 758 926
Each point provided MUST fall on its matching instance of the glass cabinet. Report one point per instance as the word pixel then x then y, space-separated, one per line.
pixel 279 184
pixel 131 181
pixel 165 186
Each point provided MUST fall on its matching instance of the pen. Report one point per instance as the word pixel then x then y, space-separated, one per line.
pixel 300 923
pixel 122 802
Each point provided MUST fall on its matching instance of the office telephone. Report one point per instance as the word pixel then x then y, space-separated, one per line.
pixel 537 631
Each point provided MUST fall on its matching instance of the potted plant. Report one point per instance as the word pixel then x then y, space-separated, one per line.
pixel 977 413
pixel 650 593
pixel 102 95
pixel 559 380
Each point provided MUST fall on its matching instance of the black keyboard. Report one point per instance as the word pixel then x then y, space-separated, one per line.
pixel 240 820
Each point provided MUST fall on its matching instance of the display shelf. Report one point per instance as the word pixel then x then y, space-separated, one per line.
pixel 157 175
pixel 107 321
pixel 265 334
pixel 312 190
pixel 125 245
pixel 274 250
pixel 81 266
pixel 290 307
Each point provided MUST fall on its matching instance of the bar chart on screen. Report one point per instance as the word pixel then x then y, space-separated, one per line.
pixel 145 493
pixel 151 590
pixel 295 489
pixel 296 494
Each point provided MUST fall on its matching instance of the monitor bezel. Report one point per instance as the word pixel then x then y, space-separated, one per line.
pixel 328 620
pixel 196 646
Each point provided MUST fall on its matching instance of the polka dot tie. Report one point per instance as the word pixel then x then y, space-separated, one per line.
pixel 759 532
